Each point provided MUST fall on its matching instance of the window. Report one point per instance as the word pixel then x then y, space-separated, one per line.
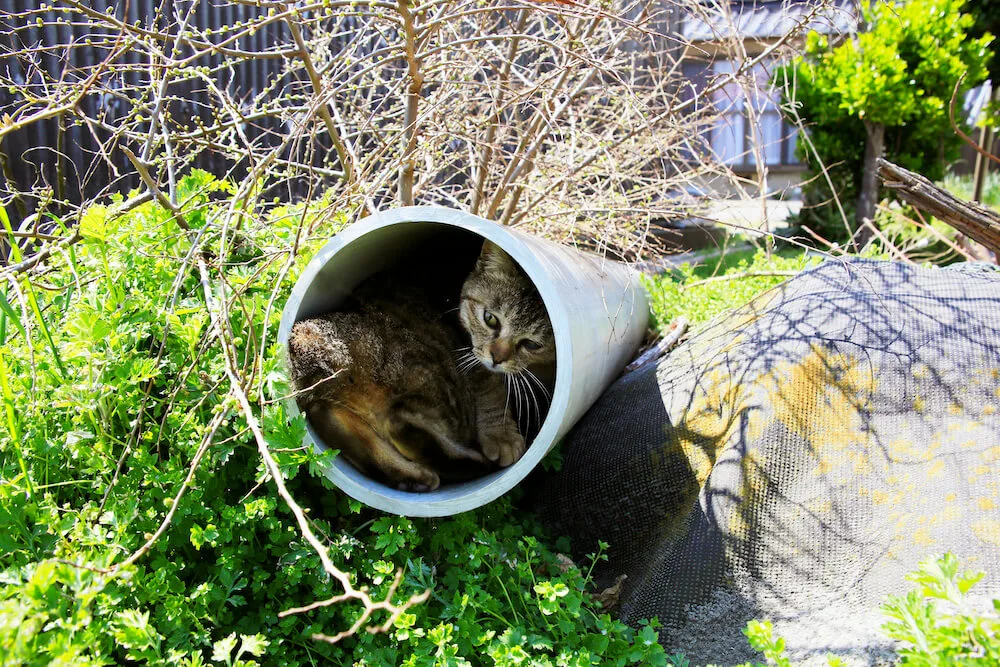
pixel 732 136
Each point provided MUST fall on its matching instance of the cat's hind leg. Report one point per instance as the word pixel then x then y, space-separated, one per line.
pixel 444 438
pixel 368 451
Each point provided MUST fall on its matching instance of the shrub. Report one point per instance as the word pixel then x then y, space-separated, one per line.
pixel 937 624
pixel 899 74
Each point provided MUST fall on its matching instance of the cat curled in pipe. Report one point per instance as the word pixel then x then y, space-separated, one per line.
pixel 381 382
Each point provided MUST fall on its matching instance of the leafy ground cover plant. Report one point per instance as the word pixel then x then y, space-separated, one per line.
pixel 140 524
pixel 937 624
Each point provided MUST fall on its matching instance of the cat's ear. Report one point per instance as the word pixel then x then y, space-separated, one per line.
pixel 493 258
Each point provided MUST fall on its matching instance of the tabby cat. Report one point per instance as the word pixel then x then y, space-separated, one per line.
pixel 380 380
pixel 511 334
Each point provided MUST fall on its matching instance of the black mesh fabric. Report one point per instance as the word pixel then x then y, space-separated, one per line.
pixel 795 459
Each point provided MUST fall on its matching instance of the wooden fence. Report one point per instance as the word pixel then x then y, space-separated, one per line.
pixel 42 44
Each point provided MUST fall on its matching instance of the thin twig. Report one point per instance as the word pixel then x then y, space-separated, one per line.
pixel 957 130
pixel 741 276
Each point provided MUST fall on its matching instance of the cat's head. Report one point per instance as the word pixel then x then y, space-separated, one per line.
pixel 504 315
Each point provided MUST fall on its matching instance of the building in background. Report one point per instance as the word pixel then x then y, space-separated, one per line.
pixel 751 128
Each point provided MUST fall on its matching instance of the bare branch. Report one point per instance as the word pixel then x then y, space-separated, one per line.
pixel 975 221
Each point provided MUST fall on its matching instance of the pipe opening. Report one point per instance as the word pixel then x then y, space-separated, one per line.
pixel 415 272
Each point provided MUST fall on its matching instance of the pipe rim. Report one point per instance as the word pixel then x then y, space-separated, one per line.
pixel 465 496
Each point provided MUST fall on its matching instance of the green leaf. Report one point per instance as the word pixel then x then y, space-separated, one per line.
pixel 93 224
pixel 255 645
pixel 132 629
pixel 222 650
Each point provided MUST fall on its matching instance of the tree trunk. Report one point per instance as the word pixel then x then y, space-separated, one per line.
pixel 868 197
pixel 985 143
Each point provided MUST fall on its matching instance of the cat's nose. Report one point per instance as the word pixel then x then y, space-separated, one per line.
pixel 500 351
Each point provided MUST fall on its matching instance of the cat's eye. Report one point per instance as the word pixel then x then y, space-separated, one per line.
pixel 491 320
pixel 530 345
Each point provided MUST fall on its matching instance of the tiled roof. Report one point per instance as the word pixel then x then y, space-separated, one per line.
pixel 766 19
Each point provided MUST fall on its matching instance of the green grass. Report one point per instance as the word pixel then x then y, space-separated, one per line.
pixel 702 291
pixel 963 186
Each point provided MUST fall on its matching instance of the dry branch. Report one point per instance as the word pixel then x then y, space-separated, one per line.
pixel 975 221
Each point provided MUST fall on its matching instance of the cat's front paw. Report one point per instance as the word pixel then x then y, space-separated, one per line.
pixel 504 447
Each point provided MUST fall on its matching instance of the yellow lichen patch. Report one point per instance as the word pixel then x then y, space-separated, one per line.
pixel 989 409
pixel 985 503
pixel 951 512
pixel 823 467
pixel 930 451
pixel 709 421
pixel 991 455
pixel 880 497
pixel 919 405
pixel 936 469
pixel 922 537
pixel 753 494
pixel 699 460
pixel 904 449
pixel 987 530
pixel 955 409
pixel 836 387
pixel 820 505
pixel 862 463
pixel 950 498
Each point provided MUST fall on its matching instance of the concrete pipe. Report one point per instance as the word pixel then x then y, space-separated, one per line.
pixel 598 309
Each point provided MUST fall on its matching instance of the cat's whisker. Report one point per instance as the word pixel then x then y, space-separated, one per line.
pixel 506 384
pixel 533 402
pixel 512 382
pixel 517 392
pixel 540 384
pixel 466 363
pixel 538 406
pixel 530 402
pixel 538 410
pixel 515 380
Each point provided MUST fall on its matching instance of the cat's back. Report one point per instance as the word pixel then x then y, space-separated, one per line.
pixel 388 334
